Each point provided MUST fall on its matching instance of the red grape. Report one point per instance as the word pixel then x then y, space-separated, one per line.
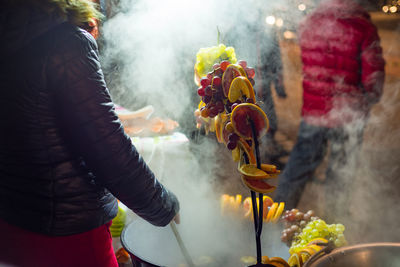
pixel 207 99
pixel 208 91
pixel 231 145
pixel 224 64
pixel 205 82
pixel 252 81
pixel 200 91
pixel 242 63
pixel 216 81
pixel 233 137
pixel 220 106
pixel 216 66
pixel 250 73
pixel 218 72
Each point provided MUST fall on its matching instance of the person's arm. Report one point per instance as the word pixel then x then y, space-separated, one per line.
pixel 372 65
pixel 94 131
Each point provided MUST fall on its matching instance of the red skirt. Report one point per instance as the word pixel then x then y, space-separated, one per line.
pixel 19 247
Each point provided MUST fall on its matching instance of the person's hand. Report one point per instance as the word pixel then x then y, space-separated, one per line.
pixel 177 219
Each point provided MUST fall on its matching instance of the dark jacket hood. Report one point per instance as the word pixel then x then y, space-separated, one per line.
pixel 19 26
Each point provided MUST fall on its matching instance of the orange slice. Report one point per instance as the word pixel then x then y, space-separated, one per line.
pixel 231 72
pixel 219 122
pixel 227 130
pixel 272 211
pixel 278 261
pixel 259 186
pixel 240 87
pixel 269 168
pixel 246 113
pixel 295 260
pixel 248 150
pixel 252 172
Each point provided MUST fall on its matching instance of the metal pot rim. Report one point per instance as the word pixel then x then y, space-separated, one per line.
pixel 342 250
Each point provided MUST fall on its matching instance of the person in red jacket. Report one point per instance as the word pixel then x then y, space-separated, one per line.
pixel 343 74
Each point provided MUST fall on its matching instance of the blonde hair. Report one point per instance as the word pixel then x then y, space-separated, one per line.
pixel 77 12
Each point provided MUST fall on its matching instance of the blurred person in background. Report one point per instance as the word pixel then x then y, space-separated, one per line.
pixel 343 75
pixel 64 156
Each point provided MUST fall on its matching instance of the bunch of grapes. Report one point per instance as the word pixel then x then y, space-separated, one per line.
pixel 206 57
pixel 294 221
pixel 319 229
pixel 211 91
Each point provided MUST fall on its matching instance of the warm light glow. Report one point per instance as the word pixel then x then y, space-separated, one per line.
pixel 289 35
pixel 279 22
pixel 385 9
pixel 393 9
pixel 270 20
pixel 302 7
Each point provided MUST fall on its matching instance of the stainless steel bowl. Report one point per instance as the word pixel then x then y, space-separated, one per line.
pixel 365 255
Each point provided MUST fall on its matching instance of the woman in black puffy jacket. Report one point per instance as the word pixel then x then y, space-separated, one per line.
pixel 64 156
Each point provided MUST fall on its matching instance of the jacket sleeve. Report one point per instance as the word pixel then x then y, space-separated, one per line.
pixel 96 134
pixel 372 65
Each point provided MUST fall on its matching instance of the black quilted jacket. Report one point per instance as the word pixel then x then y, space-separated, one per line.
pixel 63 152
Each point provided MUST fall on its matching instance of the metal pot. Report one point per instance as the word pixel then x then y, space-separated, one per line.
pixel 366 255
pixel 151 246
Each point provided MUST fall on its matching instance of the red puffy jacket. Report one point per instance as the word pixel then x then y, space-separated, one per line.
pixel 343 66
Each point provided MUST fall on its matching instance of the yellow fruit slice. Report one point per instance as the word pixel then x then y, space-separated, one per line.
pixel 272 211
pixel 201 104
pixel 314 247
pixel 264 259
pixel 278 212
pixel 247 207
pixel 252 172
pixel 278 261
pixel 248 260
pixel 295 260
pixel 246 114
pixel 224 203
pixel 231 72
pixel 236 154
pixel 238 200
pixel 306 253
pixel 240 86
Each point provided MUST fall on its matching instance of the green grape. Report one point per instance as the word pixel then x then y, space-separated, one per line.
pixel 340 227
pixel 207 57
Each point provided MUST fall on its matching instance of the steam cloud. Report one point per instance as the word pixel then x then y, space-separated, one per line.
pixel 149 55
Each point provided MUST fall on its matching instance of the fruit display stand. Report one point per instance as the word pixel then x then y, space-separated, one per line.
pixel 228 107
